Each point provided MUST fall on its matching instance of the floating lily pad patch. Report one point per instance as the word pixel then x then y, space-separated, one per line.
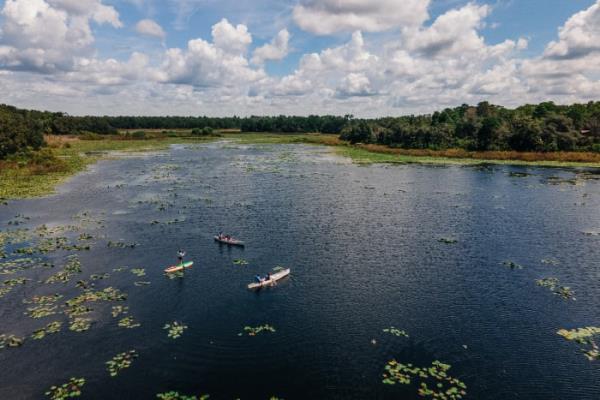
pixel 434 381
pixel 253 331
pixel 240 261
pixel 176 396
pixel 139 272
pixel 120 362
pixel 72 267
pixel 128 322
pixel 98 277
pixel 80 324
pixel 52 327
pixel 175 329
pixel 396 332
pixel 17 281
pixel 118 310
pixel 586 337
pixel 122 245
pixel 554 285
pixel 20 264
pixel 41 311
pixel 67 390
pixel 10 341
pixel 142 283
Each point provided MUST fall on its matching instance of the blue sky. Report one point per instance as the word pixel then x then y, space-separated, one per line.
pixel 381 57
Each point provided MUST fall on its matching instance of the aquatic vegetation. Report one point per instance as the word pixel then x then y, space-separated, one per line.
pixel 240 261
pixel 447 240
pixel 52 327
pixel 554 285
pixel 77 310
pixel 20 264
pixel 121 244
pixel 72 268
pixel 585 337
pixel 80 324
pixel 4 291
pixel 141 283
pixel 175 329
pixel 52 244
pixel 396 332
pixel 85 236
pixel 118 310
pixel 17 281
pixel 41 311
pixel 139 272
pixel 120 362
pixel 253 331
pixel 97 277
pixel 511 265
pixel 107 294
pixel 443 386
pixel 10 341
pixel 176 396
pixel 129 323
pixel 45 300
pixel 67 390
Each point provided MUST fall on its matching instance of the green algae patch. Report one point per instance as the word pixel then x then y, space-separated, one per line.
pixel 434 381
pixel 67 390
pixel 586 337
pixel 120 362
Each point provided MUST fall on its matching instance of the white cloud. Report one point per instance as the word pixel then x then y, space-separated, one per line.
pixel 276 50
pixel 579 36
pixel 218 64
pixel 46 37
pixel 324 17
pixel 231 39
pixel 149 27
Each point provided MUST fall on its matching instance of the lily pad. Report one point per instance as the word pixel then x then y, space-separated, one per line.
pixel 253 331
pixel 434 381
pixel 52 327
pixel 120 362
pixel 396 332
pixel 67 390
pixel 175 329
pixel 129 323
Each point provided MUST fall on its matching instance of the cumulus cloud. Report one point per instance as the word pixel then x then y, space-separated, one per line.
pixel 276 50
pixel 579 36
pixel 149 27
pixel 324 17
pixel 47 36
pixel 221 63
pixel 229 38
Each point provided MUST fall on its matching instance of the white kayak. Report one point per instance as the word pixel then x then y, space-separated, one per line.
pixel 274 278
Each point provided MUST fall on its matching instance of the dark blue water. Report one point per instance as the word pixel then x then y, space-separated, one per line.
pixel 363 245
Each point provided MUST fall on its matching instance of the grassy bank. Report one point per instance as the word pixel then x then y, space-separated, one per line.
pixel 31 176
pixel 383 154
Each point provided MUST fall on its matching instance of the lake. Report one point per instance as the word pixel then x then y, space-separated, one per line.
pixel 448 254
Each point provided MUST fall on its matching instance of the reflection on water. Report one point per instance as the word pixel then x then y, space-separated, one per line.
pixel 422 249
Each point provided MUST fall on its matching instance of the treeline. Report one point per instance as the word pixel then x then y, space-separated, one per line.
pixel 544 127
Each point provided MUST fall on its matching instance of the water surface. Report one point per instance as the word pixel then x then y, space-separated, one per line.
pixel 363 243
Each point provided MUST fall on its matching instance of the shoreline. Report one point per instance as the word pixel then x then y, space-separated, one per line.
pixel 21 182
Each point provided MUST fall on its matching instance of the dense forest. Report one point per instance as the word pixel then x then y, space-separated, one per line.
pixel 543 127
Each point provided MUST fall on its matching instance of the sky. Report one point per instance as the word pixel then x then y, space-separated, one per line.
pixel 368 58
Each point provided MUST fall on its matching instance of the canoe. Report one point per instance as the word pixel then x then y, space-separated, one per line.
pixel 274 278
pixel 180 267
pixel 232 242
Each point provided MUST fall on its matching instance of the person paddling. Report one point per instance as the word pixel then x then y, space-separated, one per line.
pixel 180 255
